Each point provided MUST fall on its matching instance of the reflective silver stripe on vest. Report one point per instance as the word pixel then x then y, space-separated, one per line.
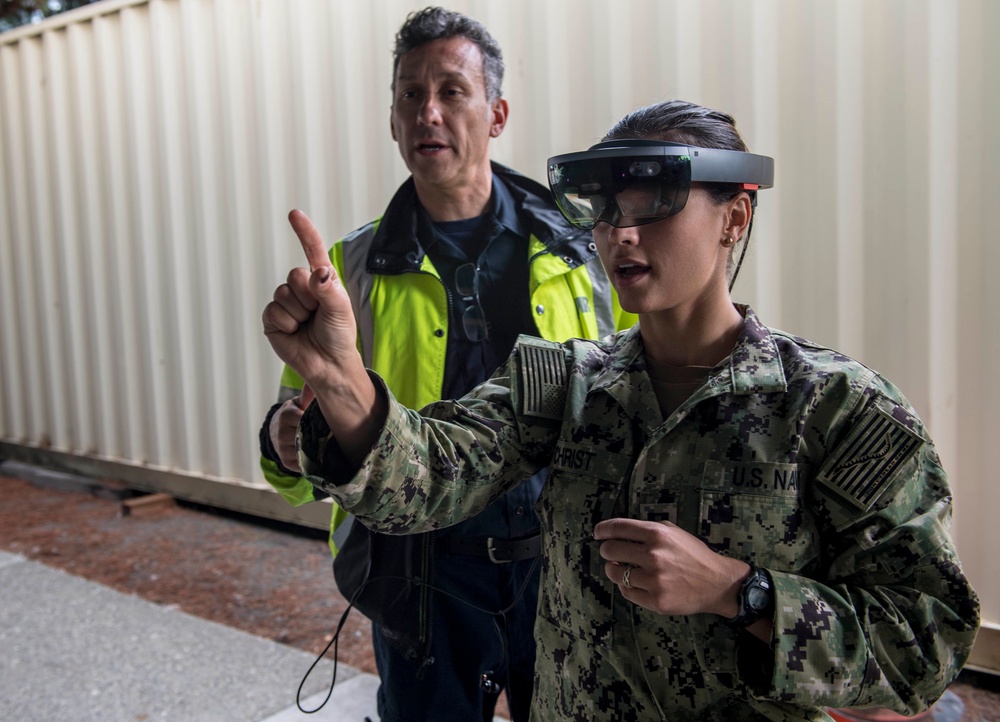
pixel 286 392
pixel 603 307
pixel 339 536
pixel 359 286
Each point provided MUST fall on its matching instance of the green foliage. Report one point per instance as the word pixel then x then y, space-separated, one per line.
pixel 14 13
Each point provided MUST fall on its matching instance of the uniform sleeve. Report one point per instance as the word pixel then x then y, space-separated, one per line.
pixel 436 467
pixel 889 618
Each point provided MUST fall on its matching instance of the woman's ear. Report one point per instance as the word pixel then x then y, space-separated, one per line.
pixel 738 215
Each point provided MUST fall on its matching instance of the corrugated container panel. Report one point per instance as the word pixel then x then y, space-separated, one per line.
pixel 151 150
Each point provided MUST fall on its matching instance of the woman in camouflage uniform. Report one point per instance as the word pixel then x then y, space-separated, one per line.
pixel 738 524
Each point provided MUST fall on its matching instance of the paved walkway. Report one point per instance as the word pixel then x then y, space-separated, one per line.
pixel 75 651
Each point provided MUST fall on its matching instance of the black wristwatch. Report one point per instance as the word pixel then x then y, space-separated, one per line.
pixel 756 599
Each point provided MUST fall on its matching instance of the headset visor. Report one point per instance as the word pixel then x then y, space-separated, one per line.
pixel 633 182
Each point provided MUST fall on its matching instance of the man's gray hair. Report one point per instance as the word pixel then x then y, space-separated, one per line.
pixel 434 23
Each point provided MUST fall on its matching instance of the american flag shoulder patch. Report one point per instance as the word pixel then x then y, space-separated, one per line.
pixel 863 466
pixel 543 380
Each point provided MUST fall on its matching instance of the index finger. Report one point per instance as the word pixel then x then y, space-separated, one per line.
pixel 624 529
pixel 311 240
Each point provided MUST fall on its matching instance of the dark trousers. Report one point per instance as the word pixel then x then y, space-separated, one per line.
pixel 469 639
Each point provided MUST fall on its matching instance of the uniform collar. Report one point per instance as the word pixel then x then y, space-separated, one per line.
pixel 520 205
pixel 504 208
pixel 755 363
pixel 501 217
pixel 753 367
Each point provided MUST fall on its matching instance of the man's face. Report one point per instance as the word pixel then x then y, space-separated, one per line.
pixel 441 117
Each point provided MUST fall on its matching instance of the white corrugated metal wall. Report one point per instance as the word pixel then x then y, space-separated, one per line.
pixel 150 151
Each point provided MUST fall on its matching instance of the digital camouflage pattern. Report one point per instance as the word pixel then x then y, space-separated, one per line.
pixel 790 456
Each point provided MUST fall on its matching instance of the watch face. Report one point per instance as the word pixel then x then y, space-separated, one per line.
pixel 758 599
pixel 755 599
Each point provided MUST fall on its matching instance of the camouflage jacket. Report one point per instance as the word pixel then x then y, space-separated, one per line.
pixel 790 456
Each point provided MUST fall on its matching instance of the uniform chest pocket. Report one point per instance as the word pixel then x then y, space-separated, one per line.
pixel 584 488
pixel 571 505
pixel 757 514
pixel 576 595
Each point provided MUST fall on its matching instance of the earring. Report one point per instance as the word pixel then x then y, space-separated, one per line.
pixel 728 241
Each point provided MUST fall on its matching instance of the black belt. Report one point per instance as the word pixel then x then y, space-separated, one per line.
pixel 498 551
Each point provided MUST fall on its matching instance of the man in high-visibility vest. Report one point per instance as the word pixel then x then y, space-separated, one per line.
pixel 467 255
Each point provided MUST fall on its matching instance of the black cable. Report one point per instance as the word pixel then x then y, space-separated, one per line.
pixel 333 680
pixel 743 253
pixel 334 642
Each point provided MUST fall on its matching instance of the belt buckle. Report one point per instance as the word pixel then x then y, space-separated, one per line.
pixel 489 552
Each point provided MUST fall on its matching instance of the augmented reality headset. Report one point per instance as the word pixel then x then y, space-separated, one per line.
pixel 632 182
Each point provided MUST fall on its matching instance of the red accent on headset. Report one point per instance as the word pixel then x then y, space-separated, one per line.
pixel 749 186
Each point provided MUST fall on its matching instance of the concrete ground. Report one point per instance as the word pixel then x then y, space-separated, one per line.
pixel 76 651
